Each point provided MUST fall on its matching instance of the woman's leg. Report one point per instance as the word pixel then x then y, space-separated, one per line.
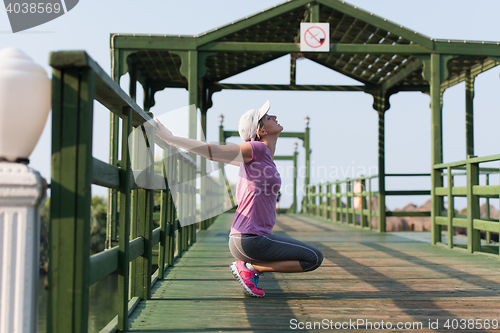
pixel 288 266
pixel 270 253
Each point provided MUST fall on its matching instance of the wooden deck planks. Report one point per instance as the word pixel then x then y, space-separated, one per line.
pixel 365 275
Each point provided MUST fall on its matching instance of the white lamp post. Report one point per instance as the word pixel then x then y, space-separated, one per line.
pixel 24 107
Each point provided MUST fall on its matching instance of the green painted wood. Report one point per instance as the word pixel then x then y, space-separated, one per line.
pixel 370 195
pixel 70 204
pixel 295 201
pixel 114 124
pixel 436 139
pixel 485 225
pixel 328 202
pixel 490 191
pixel 379 22
pixel 467 48
pixel 307 146
pixel 102 264
pixel 408 192
pixel 363 217
pixel 108 92
pixel 124 222
pixel 482 159
pixel 105 174
pixel 338 204
pixel 460 191
pixel 295 48
pixel 488 215
pixel 381 170
pixel 469 113
pixel 164 217
pixel 350 218
pixel 451 209
pixel 250 21
pixel 473 213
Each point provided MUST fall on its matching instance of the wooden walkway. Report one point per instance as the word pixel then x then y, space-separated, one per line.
pixel 366 276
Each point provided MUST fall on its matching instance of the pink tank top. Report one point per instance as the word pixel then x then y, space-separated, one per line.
pixel 256 192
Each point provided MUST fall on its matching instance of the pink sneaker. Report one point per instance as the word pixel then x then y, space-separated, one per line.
pixel 247 278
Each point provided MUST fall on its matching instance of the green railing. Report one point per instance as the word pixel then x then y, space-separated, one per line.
pixel 473 191
pixel 77 81
pixel 335 201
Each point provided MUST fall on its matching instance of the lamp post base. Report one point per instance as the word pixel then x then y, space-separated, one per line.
pixel 22 191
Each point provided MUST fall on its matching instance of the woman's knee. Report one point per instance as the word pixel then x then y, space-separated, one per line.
pixel 316 262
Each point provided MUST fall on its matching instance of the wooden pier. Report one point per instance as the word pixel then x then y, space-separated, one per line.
pixel 366 276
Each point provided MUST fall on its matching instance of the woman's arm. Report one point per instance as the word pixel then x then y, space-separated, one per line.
pixel 233 154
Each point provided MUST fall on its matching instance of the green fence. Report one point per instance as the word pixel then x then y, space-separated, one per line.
pixel 473 191
pixel 77 81
pixel 335 201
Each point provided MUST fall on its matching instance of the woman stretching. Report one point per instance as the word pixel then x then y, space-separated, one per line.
pixel 251 240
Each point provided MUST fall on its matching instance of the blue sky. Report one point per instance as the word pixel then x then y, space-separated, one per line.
pixel 343 125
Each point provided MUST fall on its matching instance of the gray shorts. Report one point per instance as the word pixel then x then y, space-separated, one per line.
pixel 267 248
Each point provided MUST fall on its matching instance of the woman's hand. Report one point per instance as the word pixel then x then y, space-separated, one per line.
pixel 164 133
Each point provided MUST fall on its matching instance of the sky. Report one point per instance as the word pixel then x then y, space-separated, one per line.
pixel 343 124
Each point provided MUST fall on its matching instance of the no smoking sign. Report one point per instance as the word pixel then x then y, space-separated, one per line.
pixel 315 37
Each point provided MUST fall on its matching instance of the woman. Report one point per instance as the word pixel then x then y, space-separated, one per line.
pixel 251 240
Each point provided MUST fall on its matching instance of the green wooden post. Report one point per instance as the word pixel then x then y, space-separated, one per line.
pixel 338 203
pixel 321 206
pixel 363 218
pixel 306 144
pixel 451 208
pixel 222 140
pixel 192 204
pixel 381 170
pixel 295 203
pixel 473 236
pixel 436 142
pixel 370 203
pixel 488 235
pixel 72 116
pixel 123 242
pixel 329 201
pixel 312 199
pixel 172 210
pixel 114 130
pixel 180 204
pixel 313 12
pixel 469 112
pixel 348 189
pixel 143 226
pixel 293 65
pixel 163 251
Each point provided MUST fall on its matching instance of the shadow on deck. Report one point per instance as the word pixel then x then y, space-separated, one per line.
pixel 365 276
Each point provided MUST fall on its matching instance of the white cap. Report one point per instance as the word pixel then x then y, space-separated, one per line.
pixel 249 121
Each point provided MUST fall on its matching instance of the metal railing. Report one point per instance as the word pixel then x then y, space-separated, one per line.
pixel 335 201
pixel 473 191
pixel 77 81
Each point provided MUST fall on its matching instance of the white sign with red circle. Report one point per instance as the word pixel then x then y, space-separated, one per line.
pixel 315 37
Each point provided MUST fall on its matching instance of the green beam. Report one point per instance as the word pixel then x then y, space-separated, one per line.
pixel 379 22
pixel 295 47
pixel 313 12
pixel 251 21
pixel 148 42
pixel 283 158
pixel 290 87
pixel 402 74
pixel 490 49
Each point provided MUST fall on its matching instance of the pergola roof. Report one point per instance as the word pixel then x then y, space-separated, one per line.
pixel 374 51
